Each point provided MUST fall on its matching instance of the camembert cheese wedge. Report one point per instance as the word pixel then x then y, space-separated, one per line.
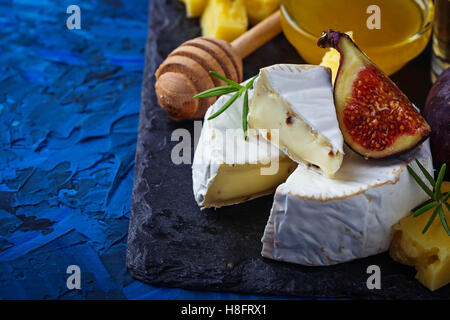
pixel 318 221
pixel 228 169
pixel 298 101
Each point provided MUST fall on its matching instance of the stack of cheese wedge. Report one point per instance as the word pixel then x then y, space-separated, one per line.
pixel 330 205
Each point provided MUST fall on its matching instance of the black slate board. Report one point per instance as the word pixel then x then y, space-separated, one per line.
pixel 172 243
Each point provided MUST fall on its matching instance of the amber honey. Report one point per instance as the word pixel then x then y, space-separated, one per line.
pixel 402 31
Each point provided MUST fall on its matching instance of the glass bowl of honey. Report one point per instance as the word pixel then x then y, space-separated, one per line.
pixel 390 32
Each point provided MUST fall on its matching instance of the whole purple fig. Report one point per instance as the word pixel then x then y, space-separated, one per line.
pixel 437 114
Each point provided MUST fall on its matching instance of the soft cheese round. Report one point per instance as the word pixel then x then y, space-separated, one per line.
pixel 319 221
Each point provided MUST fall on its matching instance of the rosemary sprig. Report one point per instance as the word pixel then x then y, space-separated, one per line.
pixel 230 88
pixel 437 199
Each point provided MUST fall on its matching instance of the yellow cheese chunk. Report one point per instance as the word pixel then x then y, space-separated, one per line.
pixel 331 60
pixel 258 10
pixel 194 8
pixel 224 19
pixel 429 253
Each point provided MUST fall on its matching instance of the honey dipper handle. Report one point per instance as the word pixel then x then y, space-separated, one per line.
pixel 258 35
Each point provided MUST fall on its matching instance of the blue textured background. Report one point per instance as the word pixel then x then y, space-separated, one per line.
pixel 69 104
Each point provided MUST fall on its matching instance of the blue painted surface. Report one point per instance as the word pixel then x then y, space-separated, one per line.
pixel 69 104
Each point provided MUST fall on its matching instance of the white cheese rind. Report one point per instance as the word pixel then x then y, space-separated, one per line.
pixel 317 221
pixel 213 156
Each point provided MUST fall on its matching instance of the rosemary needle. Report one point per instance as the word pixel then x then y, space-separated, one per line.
pixel 425 208
pixel 249 84
pixel 231 82
pixel 433 216
pixel 443 220
pixel 437 191
pixel 244 114
pixel 225 106
pixel 215 92
pixel 420 182
pixel 426 173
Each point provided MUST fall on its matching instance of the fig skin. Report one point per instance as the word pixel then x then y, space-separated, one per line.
pixel 437 114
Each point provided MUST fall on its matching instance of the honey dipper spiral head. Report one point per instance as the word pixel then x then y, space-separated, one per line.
pixel 185 73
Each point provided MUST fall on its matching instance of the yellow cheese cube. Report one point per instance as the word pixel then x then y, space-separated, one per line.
pixel 194 8
pixel 258 10
pixel 331 59
pixel 429 253
pixel 224 19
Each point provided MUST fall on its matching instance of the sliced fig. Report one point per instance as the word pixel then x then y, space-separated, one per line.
pixel 377 120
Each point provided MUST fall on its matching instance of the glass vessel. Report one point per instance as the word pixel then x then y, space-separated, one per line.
pixel 441 39
pixel 390 32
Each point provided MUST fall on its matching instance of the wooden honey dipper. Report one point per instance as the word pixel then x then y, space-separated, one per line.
pixel 185 72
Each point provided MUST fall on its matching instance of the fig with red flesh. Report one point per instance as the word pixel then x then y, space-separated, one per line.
pixel 376 119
